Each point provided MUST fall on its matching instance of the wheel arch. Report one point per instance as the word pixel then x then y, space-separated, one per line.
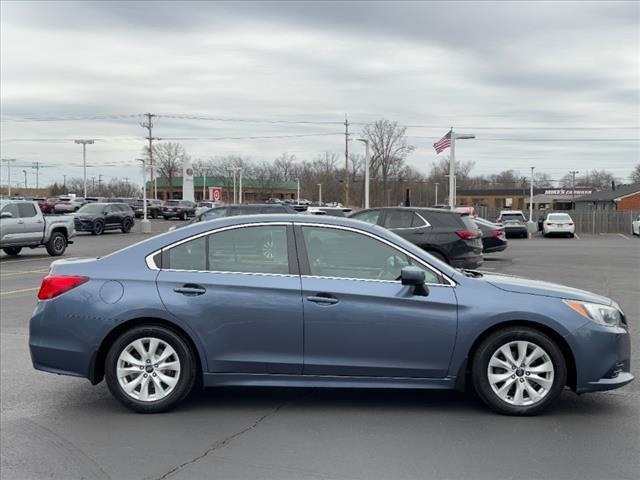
pixel 464 372
pixel 61 229
pixel 96 371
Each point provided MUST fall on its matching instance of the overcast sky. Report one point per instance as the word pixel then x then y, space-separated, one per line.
pixel 555 85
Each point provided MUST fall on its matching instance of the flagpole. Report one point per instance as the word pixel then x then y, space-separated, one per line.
pixel 452 170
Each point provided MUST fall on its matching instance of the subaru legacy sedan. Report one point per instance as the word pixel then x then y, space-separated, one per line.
pixel 317 301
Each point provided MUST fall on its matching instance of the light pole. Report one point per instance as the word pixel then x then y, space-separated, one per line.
pixel 531 197
pixel 319 194
pixel 452 165
pixel 298 189
pixel 366 171
pixel 573 187
pixel 84 144
pixel 145 225
pixel 8 162
pixel 240 188
pixel 25 178
pixel 436 193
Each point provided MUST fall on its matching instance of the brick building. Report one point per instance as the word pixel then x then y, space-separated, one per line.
pixel 498 198
pixel 623 198
pixel 253 191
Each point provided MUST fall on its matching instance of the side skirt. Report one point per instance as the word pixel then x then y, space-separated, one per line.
pixel 326 381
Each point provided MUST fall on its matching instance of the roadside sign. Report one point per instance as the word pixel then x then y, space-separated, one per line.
pixel 215 194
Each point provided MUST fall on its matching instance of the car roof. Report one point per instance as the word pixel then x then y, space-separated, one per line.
pixel 439 211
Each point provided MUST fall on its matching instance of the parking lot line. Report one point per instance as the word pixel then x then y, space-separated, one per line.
pixel 623 236
pixel 22 290
pixel 20 272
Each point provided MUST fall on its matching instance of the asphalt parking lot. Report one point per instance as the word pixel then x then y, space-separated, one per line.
pixel 62 427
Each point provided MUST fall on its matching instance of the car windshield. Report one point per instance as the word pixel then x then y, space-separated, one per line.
pixel 512 216
pixel 559 217
pixel 91 208
pixel 172 203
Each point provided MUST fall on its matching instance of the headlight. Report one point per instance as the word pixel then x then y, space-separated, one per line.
pixel 602 314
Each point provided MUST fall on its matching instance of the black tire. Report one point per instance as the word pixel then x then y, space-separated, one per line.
pixel 480 365
pixel 438 255
pixel 57 244
pixel 154 214
pixel 166 218
pixel 98 227
pixel 13 251
pixel 188 369
pixel 184 216
pixel 127 224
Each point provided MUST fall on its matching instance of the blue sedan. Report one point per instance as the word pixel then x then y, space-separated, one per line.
pixel 285 300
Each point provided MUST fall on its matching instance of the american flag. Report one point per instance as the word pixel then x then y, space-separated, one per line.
pixel 443 143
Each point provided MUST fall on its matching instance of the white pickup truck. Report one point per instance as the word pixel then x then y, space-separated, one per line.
pixel 23 225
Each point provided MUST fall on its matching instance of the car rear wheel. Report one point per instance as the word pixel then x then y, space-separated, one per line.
pixel 12 250
pixel 127 224
pixel 150 369
pixel 57 244
pixel 518 371
pixel 98 227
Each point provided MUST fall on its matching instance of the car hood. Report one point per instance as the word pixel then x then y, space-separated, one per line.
pixel 84 216
pixel 547 289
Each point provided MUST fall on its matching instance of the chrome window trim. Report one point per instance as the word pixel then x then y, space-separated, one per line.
pixel 426 224
pixel 450 281
pixel 151 264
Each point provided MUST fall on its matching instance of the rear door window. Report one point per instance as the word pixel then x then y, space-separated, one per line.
pixel 398 219
pixel 369 216
pixel 27 210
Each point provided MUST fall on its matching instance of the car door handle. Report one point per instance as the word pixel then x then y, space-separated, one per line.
pixel 20 221
pixel 190 290
pixel 323 299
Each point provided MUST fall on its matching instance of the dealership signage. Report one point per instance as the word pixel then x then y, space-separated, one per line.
pixel 568 192
pixel 215 194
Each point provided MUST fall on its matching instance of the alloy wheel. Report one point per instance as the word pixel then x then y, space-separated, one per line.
pixel 148 369
pixel 520 373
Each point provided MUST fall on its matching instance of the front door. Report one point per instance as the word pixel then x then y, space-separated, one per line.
pixel 239 290
pixel 11 228
pixel 360 320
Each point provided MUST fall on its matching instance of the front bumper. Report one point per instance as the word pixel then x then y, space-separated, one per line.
pixel 83 225
pixel 602 356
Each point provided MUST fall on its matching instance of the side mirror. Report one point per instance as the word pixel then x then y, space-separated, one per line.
pixel 6 215
pixel 414 276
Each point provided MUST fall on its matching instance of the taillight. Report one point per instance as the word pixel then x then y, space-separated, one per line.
pixel 570 224
pixel 496 233
pixel 466 234
pixel 53 285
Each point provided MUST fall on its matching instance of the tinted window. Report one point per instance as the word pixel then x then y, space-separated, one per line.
pixel 92 208
pixel 211 214
pixel 261 249
pixel 559 217
pixel 512 216
pixel 250 249
pixel 27 210
pixel 369 216
pixel 398 219
pixel 189 255
pixel 344 254
pixel 12 208
pixel 235 211
pixel 273 210
pixel 444 219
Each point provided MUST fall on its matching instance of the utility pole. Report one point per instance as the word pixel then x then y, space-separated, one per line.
pixel 8 161
pixel 36 166
pixel 84 144
pixel 64 181
pixel 367 161
pixel 100 181
pixel 573 188
pixel 25 178
pixel 149 126
pixel 346 161
pixel 436 193
pixel 126 180
pixel 93 185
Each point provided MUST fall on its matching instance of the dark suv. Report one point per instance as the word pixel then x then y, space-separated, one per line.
pixel 154 208
pixel 98 217
pixel 181 209
pixel 450 236
pixel 235 210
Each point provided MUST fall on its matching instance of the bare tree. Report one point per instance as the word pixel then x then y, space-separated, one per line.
pixel 389 148
pixel 635 175
pixel 601 179
pixel 168 158
pixel 284 166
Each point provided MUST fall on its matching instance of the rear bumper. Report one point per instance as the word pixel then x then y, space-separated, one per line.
pixel 470 261
pixel 495 248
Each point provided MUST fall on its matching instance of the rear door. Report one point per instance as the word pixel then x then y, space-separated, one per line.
pixel 33 222
pixel 238 288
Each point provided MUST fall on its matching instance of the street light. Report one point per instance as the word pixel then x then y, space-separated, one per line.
pixel 84 144
pixel 298 189
pixel 25 178
pixel 145 225
pixel 452 165
pixel 8 162
pixel 366 171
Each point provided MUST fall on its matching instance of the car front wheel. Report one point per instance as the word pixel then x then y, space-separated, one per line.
pixel 518 371
pixel 150 369
pixel 127 224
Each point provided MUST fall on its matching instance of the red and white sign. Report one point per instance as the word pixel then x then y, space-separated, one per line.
pixel 215 194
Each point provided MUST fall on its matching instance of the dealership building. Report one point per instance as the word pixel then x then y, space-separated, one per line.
pixel 221 188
